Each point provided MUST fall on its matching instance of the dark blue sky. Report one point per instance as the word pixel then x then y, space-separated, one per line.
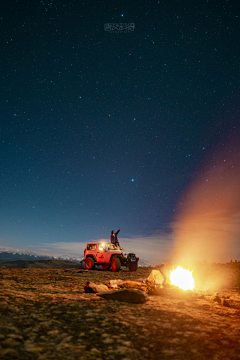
pixel 100 129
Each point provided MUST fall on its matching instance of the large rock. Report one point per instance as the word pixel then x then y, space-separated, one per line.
pixel 156 277
pixel 231 303
pixel 97 287
pixel 133 285
pixel 113 284
pixel 126 284
pixel 125 295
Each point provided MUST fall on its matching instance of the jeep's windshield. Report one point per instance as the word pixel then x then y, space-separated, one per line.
pixel 103 247
pixel 112 247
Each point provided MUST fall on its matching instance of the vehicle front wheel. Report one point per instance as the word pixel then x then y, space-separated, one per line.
pixel 116 264
pixel 106 267
pixel 89 263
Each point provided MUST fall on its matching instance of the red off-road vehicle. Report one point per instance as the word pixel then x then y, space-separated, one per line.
pixel 108 256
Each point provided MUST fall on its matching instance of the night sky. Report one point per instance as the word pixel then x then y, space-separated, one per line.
pixel 103 128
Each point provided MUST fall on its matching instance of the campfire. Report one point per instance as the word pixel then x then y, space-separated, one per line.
pixel 182 278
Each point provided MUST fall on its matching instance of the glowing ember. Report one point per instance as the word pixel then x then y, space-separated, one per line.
pixel 182 278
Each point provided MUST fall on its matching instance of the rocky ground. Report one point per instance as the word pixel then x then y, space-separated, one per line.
pixel 45 314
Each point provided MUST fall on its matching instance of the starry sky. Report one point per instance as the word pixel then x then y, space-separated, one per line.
pixel 110 113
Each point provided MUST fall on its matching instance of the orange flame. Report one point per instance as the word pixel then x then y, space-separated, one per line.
pixel 182 278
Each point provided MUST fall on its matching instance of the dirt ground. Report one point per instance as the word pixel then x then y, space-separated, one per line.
pixel 45 314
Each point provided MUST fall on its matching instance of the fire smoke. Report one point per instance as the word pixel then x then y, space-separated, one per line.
pixel 207 226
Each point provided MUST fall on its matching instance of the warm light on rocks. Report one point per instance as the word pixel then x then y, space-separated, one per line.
pixel 182 278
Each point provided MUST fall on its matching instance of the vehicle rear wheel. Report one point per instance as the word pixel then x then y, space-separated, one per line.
pixel 133 267
pixel 89 263
pixel 106 267
pixel 116 264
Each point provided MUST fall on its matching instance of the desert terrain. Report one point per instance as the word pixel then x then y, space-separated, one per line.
pixel 45 314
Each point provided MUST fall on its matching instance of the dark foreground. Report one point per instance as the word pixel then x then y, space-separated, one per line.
pixel 44 314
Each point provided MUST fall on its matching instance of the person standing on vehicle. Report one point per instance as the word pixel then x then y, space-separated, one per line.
pixel 114 238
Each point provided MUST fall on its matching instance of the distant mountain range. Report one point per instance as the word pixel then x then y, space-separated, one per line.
pixel 17 254
pixel 26 255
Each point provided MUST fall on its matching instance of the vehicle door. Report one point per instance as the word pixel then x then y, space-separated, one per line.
pixel 101 255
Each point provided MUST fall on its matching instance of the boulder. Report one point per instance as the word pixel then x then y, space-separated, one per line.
pixel 157 291
pixel 113 284
pixel 231 303
pixel 217 298
pixel 125 295
pixel 132 285
pixel 94 288
pixel 126 284
pixel 156 277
